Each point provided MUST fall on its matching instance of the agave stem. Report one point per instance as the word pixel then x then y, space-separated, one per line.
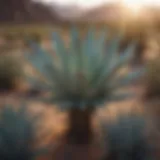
pixel 80 126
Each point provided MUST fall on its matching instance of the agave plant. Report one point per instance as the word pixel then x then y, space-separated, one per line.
pixel 125 139
pixel 17 134
pixel 83 75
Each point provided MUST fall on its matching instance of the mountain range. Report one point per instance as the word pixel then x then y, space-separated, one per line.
pixel 28 11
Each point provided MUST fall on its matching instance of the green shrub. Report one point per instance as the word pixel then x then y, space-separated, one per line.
pixel 10 71
pixel 83 76
pixel 126 138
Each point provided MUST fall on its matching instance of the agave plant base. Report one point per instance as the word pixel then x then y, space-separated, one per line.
pixel 80 126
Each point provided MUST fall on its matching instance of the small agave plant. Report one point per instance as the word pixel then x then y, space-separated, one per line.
pixel 83 76
pixel 17 134
pixel 126 139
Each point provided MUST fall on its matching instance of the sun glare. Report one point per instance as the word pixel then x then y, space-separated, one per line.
pixel 134 5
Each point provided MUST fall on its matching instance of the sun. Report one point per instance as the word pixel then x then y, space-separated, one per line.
pixel 135 3
pixel 135 6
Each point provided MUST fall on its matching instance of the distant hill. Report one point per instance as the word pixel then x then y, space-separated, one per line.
pixel 114 12
pixel 26 11
pixel 103 13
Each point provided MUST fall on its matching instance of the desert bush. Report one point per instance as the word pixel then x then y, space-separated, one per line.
pixel 125 138
pixel 18 134
pixel 153 78
pixel 10 71
pixel 83 76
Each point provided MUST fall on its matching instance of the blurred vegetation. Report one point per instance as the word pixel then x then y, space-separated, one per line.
pixel 15 37
pixel 132 29
pixel 10 71
pixel 126 138
pixel 18 133
pixel 153 78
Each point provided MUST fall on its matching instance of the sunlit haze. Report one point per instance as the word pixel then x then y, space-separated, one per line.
pixel 97 2
pixel 135 6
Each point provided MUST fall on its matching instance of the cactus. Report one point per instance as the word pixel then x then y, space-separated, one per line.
pixel 84 75
pixel 125 138
pixel 17 134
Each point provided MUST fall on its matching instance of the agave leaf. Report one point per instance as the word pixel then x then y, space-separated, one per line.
pixel 73 50
pixel 41 52
pixel 97 49
pixel 62 52
pixel 58 79
pixel 44 63
pixel 127 79
pixel 74 43
pixel 110 58
pixel 36 83
pixel 121 96
pixel 113 47
pixel 88 51
pixel 76 48
pixel 112 70
pixel 111 52
pixel 100 45
pixel 75 56
pixel 41 99
pixel 39 59
pixel 41 68
pixel 37 64
pixel 124 58
pixel 89 42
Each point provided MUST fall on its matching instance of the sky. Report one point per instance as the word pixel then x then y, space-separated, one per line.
pixel 90 3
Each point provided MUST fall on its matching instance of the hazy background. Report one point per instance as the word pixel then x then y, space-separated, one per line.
pixel 22 21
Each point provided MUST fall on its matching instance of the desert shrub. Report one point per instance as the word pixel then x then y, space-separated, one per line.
pixel 8 37
pixel 83 76
pixel 10 71
pixel 36 38
pixel 153 78
pixel 125 138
